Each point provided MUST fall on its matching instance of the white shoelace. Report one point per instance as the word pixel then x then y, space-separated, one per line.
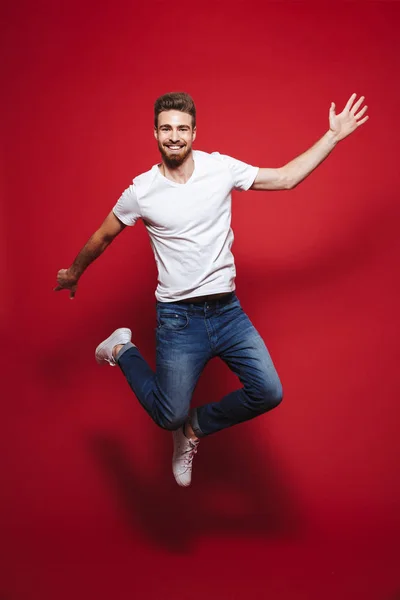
pixel 189 453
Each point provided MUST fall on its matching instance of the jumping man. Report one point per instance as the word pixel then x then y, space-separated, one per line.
pixel 185 204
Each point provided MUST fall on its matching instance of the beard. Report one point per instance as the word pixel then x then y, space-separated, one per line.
pixel 174 159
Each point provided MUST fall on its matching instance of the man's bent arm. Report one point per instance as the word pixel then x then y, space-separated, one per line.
pixel 99 241
pixel 340 126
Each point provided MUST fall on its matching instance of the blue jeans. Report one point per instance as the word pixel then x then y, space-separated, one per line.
pixel 188 336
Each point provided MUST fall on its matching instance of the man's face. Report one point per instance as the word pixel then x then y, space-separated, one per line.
pixel 174 135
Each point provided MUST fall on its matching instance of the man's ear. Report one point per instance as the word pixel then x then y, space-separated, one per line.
pixel 155 133
pixel 194 133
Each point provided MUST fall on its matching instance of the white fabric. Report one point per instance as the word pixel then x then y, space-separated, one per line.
pixel 189 224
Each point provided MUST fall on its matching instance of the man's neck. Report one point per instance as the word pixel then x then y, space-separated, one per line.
pixel 180 174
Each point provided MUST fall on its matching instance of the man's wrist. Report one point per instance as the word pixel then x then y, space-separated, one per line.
pixel 74 273
pixel 332 138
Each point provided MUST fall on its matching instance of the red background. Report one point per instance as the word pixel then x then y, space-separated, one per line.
pixel 302 503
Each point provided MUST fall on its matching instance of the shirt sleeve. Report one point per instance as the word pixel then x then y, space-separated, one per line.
pixel 243 175
pixel 127 208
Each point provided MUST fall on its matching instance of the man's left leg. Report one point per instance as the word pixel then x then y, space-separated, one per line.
pixel 241 347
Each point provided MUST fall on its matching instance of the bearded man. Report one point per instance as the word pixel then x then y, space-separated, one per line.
pixel 185 204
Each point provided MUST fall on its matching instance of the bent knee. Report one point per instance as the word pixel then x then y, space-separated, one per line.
pixel 172 422
pixel 268 396
pixel 275 395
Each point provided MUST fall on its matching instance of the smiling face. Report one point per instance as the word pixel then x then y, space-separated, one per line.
pixel 175 135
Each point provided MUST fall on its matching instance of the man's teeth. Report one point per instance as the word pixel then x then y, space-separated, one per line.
pixel 174 147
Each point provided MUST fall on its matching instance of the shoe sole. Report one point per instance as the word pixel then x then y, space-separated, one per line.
pixel 114 337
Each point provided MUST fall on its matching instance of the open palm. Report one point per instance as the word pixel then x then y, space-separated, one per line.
pixel 349 119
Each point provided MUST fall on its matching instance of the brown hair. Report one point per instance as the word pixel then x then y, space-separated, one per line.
pixel 175 101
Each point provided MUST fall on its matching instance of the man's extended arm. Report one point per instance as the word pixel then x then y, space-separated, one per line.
pixel 68 278
pixel 340 126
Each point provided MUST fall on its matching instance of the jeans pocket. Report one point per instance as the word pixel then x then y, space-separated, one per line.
pixel 172 321
pixel 231 308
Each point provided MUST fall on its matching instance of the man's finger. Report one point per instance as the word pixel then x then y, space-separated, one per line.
pixel 357 105
pixel 362 111
pixel 363 120
pixel 350 101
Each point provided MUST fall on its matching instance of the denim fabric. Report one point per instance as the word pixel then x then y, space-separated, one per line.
pixel 188 336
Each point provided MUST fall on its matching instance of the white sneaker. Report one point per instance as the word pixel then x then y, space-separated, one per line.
pixel 104 350
pixel 182 459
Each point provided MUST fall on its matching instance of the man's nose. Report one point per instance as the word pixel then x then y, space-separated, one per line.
pixel 174 137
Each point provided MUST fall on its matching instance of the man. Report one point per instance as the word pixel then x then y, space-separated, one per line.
pixel 185 203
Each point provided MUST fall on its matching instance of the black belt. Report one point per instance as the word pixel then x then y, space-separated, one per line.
pixel 202 299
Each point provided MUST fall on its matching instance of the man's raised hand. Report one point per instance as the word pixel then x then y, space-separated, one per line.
pixel 349 119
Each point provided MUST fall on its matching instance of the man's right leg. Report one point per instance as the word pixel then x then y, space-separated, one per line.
pixel 183 349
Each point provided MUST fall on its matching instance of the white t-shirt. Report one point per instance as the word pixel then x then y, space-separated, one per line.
pixel 189 224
